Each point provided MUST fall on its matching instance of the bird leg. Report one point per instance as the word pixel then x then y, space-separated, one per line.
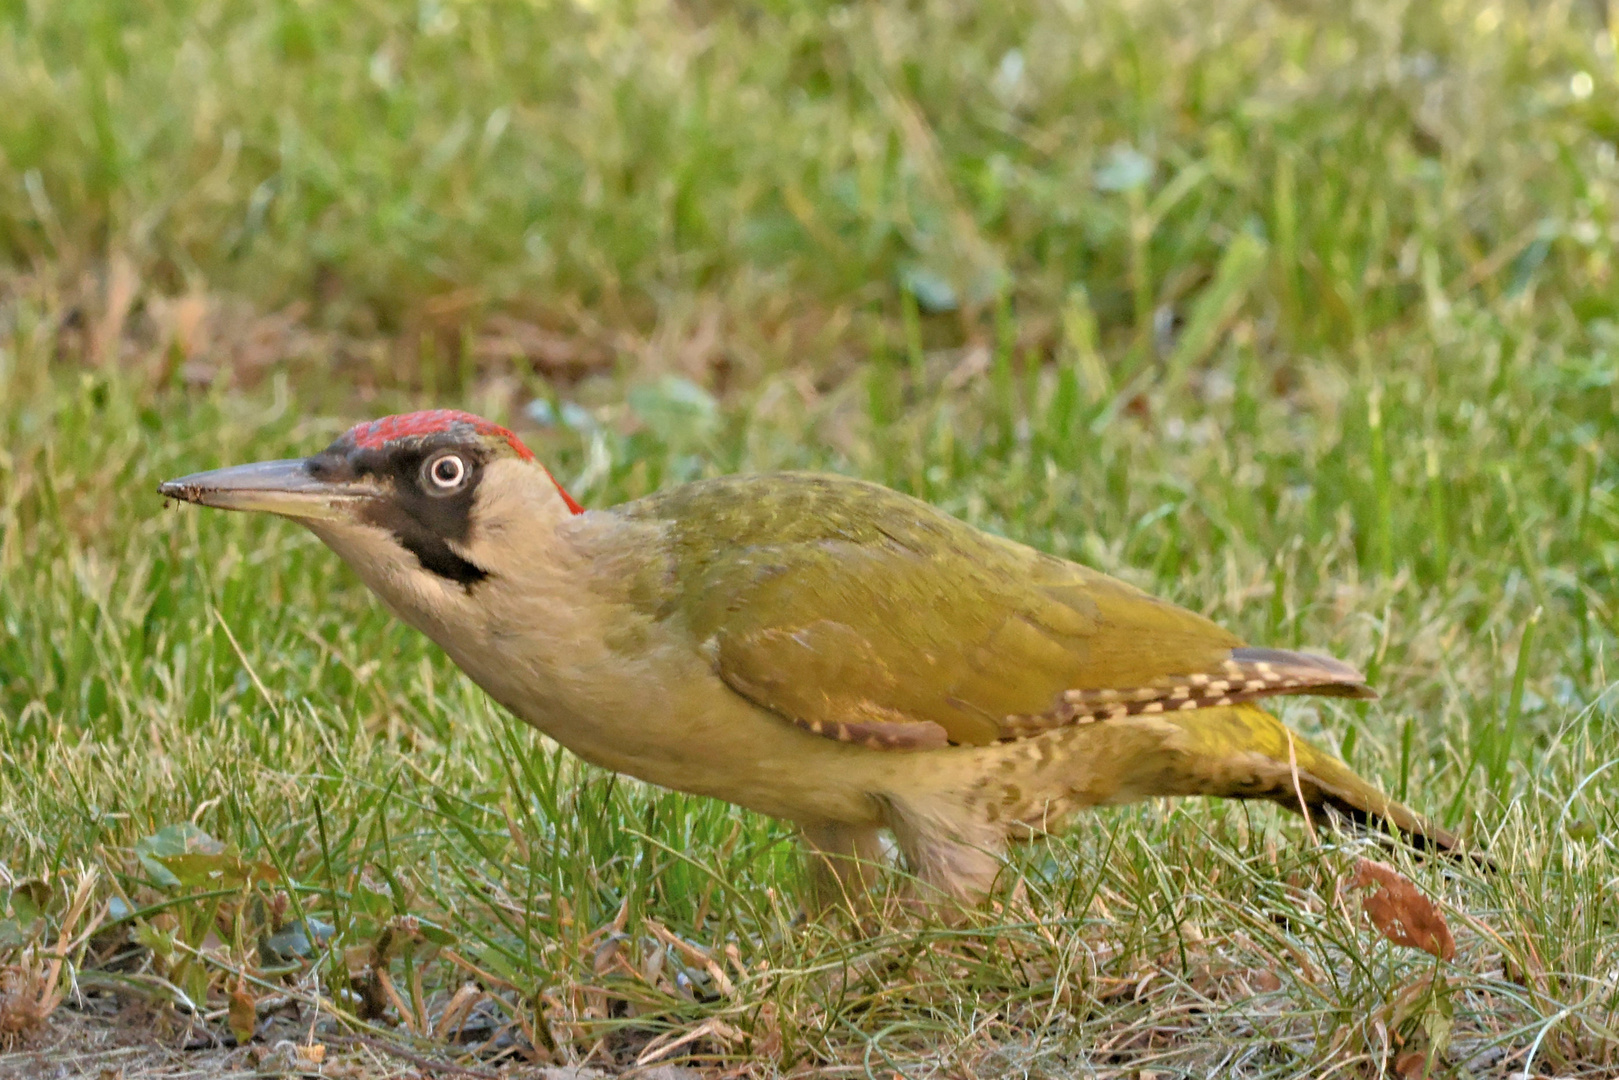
pixel 954 858
pixel 843 863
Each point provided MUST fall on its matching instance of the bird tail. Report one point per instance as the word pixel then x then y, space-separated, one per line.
pixel 1243 752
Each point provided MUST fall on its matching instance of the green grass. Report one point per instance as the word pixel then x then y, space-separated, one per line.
pixel 1301 316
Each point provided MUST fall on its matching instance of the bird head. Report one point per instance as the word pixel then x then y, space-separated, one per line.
pixel 423 505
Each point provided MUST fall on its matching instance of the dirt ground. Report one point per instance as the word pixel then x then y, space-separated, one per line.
pixel 139 1043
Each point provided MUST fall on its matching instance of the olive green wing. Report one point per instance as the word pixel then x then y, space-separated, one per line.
pixel 867 616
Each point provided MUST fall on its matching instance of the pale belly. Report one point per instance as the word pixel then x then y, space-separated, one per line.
pixel 707 740
pixel 685 729
pixel 664 717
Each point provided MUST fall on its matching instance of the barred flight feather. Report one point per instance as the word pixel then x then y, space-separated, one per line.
pixel 1246 674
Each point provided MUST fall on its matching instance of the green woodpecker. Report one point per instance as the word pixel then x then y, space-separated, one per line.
pixel 816 648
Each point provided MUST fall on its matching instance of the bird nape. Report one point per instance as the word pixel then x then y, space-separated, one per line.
pixel 816 648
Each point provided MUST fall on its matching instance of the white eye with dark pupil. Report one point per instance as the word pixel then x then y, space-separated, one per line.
pixel 447 472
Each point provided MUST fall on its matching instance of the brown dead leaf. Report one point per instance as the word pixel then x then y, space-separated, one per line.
pixel 243 1014
pixel 1400 912
pixel 1411 1065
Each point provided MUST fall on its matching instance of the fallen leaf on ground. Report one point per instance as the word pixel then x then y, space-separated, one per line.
pixel 243 1013
pixel 1400 912
pixel 1411 1065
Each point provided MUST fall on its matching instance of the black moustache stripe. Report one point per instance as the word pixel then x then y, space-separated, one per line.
pixel 435 556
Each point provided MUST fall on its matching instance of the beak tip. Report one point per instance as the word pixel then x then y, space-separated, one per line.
pixel 179 490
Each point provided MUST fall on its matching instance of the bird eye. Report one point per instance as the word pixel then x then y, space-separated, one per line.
pixel 445 473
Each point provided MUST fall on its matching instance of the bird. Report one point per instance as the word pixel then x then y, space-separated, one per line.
pixel 813 647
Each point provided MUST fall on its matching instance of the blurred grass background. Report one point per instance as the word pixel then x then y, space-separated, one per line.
pixel 756 185
pixel 1301 314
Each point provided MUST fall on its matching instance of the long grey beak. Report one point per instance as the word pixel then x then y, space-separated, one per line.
pixel 277 487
